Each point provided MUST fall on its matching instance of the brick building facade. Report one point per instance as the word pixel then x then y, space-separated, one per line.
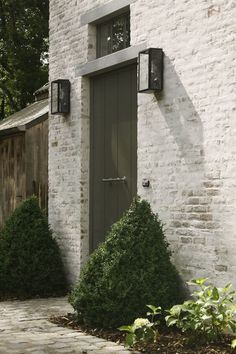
pixel 186 135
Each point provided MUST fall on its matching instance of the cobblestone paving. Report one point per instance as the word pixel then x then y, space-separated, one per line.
pixel 24 328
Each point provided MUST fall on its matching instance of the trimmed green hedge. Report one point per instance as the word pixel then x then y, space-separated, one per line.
pixel 130 269
pixel 30 262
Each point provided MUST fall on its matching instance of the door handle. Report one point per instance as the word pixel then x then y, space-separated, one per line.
pixel 117 179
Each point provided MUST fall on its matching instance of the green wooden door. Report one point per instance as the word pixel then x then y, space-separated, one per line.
pixel 113 177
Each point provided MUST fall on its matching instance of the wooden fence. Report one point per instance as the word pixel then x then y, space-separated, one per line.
pixel 23 168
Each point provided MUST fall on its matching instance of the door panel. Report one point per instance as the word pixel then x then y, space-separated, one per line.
pixel 113 148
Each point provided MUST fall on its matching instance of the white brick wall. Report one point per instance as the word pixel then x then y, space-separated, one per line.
pixel 186 135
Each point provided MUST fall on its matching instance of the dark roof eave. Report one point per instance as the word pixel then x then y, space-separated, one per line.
pixel 23 128
pixel 36 121
pixel 11 131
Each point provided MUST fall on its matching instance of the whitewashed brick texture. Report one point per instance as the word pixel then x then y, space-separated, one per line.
pixel 186 135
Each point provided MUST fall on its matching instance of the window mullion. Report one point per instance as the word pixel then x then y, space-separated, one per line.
pixel 112 23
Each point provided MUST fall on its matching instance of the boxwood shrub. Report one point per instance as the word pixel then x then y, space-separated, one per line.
pixel 30 262
pixel 130 269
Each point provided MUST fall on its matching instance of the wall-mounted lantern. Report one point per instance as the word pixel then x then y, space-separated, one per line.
pixel 60 96
pixel 150 77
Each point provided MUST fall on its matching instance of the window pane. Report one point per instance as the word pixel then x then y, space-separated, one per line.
pixel 113 35
pixel 120 33
pixel 105 39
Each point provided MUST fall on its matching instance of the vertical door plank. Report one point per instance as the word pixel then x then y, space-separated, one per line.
pixel 133 117
pixel 111 141
pixel 97 171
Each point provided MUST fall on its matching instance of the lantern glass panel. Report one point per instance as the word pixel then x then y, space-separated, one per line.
pixel 155 79
pixel 64 92
pixel 54 94
pixel 61 102
pixel 143 71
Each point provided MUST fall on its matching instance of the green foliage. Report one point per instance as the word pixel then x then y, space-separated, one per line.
pixel 233 345
pixel 208 315
pixel 131 268
pixel 23 51
pixel 30 262
pixel 143 329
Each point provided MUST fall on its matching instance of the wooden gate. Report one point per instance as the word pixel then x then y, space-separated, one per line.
pixel 23 168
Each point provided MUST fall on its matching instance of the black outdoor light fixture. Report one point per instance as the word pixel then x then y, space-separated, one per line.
pixel 150 77
pixel 60 96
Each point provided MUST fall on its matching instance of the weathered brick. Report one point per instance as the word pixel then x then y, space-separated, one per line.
pixel 186 239
pixel 221 268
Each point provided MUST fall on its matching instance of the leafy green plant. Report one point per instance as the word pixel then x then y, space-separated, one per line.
pixel 208 314
pixel 30 262
pixel 143 329
pixel 233 345
pixel 130 269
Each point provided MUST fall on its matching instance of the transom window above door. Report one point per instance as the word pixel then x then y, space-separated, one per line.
pixel 113 35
